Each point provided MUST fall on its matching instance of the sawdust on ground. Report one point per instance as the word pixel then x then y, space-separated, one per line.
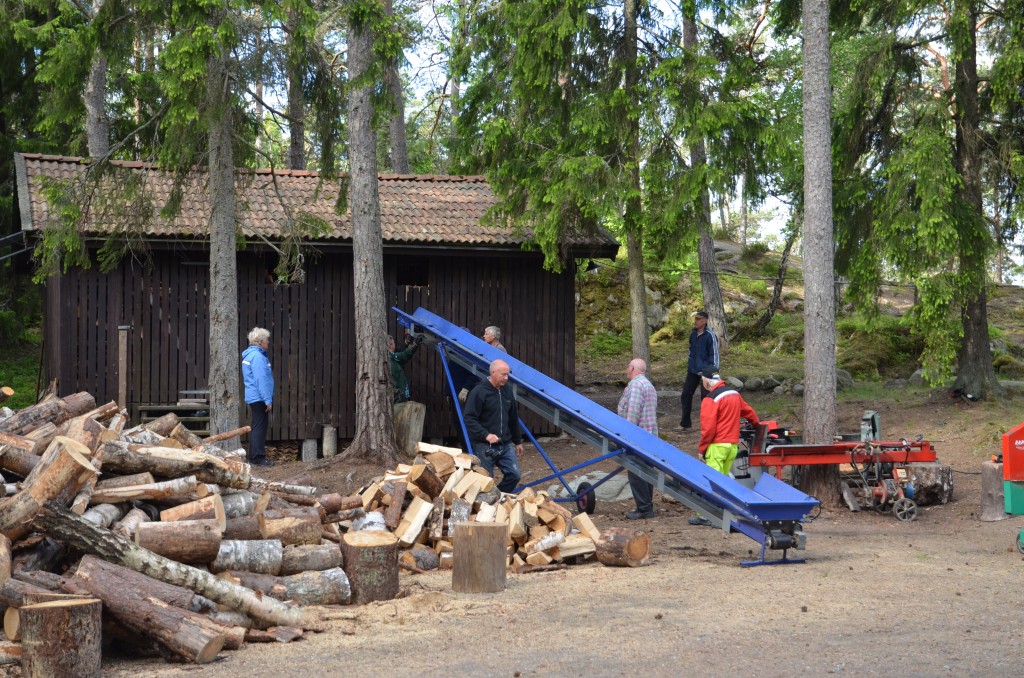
pixel 938 596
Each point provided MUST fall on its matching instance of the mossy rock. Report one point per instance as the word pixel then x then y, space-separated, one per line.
pixel 1008 366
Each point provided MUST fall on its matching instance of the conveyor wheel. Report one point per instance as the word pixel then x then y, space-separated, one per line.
pixel 586 500
pixel 904 509
pixel 1020 544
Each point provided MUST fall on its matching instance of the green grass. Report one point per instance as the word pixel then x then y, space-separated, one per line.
pixel 19 370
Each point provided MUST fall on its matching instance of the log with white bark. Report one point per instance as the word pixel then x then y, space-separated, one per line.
pixel 261 485
pixel 341 516
pixel 322 587
pixel 142 436
pixel 239 504
pixel 292 526
pixel 165 462
pixel 66 526
pixel 309 557
pixel 61 638
pixel 127 526
pixel 263 557
pixel 187 541
pixel 63 463
pixel 209 507
pixel 165 489
pixel 104 515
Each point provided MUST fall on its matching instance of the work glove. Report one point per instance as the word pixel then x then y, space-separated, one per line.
pixel 408 340
pixel 463 395
pixel 418 339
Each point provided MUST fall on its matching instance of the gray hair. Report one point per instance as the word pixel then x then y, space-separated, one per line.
pixel 258 335
pixel 495 330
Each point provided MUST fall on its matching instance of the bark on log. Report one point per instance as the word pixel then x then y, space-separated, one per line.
pixel 275 634
pixel 261 485
pixel 10 441
pixel 178 487
pixel 5 559
pixel 165 462
pixel 5 393
pixel 371 562
pixel 933 483
pixel 163 425
pixel 55 411
pixel 185 436
pixel 61 638
pixel 393 514
pixel 66 526
pixel 209 507
pixel 294 526
pixel 91 568
pixel 480 557
pixel 306 558
pixel 63 463
pixel 226 435
pixel 85 430
pixel 239 504
pixel 436 529
pixel 420 557
pixel 127 526
pixel 19 461
pixel 13 592
pixel 320 587
pixel 125 481
pixel 187 541
pixel 12 615
pixel 103 515
pixel 424 477
pixel 334 502
pixel 42 437
pixel 262 557
pixel 176 629
pixel 244 528
pixel 341 516
pixel 993 502
pixel 623 547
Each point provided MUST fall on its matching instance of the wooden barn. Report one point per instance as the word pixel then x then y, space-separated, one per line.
pixel 142 328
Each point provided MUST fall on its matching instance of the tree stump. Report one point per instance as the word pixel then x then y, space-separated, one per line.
pixel 480 557
pixel 409 418
pixel 371 562
pixel 933 483
pixel 992 506
pixel 623 547
pixel 61 638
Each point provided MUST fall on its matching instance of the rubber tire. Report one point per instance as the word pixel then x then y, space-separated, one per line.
pixel 904 509
pixel 1020 545
pixel 586 500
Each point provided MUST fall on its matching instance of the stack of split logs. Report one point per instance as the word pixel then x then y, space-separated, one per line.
pixel 423 501
pixel 183 550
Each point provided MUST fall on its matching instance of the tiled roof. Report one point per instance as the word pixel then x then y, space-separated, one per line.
pixel 415 208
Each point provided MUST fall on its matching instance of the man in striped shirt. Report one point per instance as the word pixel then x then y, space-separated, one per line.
pixel 639 405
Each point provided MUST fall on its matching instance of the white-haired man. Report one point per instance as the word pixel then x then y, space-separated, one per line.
pixel 639 405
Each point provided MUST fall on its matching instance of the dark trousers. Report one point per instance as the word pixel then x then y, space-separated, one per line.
pixel 504 456
pixel 258 434
pixel 643 493
pixel 689 388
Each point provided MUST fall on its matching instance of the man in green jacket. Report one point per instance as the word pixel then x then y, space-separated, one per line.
pixel 399 382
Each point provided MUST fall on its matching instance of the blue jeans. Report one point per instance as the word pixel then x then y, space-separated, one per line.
pixel 504 455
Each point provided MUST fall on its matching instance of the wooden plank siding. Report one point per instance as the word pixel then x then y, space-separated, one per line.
pixel 312 348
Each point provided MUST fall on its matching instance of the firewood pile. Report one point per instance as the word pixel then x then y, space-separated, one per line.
pixel 184 550
pixel 188 554
pixel 422 501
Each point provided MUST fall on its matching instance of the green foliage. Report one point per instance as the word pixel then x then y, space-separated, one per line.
pixel 754 250
pixel 20 370
pixel 606 345
pixel 877 347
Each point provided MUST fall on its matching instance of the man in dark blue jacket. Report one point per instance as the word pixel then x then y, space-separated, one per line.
pixel 259 393
pixel 703 355
pixel 492 420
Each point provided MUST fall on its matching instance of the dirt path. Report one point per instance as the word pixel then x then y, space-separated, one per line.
pixel 938 596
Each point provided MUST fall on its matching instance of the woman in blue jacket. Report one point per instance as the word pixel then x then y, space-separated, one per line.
pixel 259 393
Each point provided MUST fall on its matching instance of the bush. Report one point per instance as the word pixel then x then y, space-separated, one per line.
pixel 753 250
pixel 606 344
pixel 11 329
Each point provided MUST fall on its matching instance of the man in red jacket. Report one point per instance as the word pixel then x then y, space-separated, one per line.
pixel 720 413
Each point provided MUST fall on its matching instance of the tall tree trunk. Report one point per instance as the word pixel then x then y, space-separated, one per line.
pixel 711 290
pixel 975 374
pixel 296 101
pixel 97 124
pixel 375 426
pixel 399 144
pixel 819 311
pixel 224 339
pixel 633 218
pixel 773 304
pixel 743 210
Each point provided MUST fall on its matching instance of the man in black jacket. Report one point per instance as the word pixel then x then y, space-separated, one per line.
pixel 492 420
pixel 703 355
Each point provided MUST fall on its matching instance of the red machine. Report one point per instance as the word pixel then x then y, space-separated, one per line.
pixel 879 478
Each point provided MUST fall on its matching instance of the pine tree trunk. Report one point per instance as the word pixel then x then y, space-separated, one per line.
pixel 375 426
pixel 711 290
pixel 399 144
pixel 819 313
pixel 296 101
pixel 97 124
pixel 975 374
pixel 633 218
pixel 223 303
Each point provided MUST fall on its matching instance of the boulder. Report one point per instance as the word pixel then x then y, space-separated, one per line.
pixel 844 379
pixel 798 389
pixel 735 383
pixel 754 384
pixel 917 378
